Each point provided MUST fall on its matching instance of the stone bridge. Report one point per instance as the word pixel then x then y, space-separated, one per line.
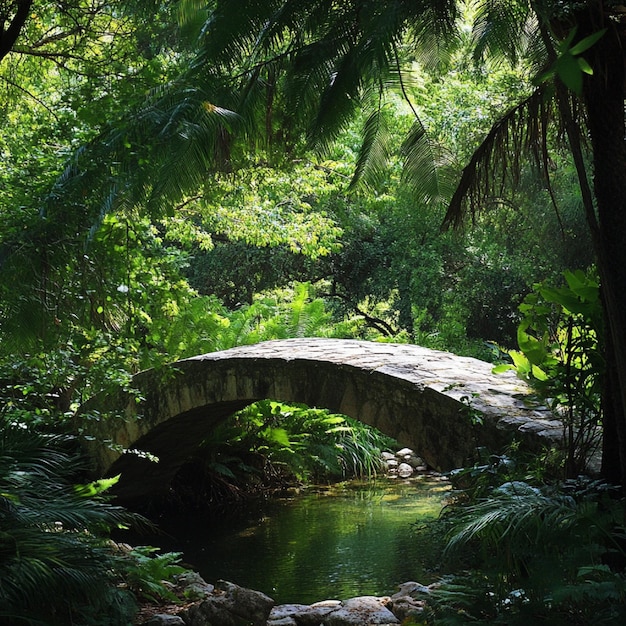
pixel 441 405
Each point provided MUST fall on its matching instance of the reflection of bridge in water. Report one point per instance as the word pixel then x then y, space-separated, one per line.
pixel 439 404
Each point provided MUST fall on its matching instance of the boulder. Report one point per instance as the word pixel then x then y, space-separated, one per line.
pixel 404 452
pixel 410 588
pixel 404 470
pixel 286 610
pixel 194 586
pixel 360 611
pixel 283 621
pixel 317 613
pixel 229 605
pixel 162 619
pixel 406 606
pixel 247 603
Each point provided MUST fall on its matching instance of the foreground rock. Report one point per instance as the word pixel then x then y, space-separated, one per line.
pixel 227 604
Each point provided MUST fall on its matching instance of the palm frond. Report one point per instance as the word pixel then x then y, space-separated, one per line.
pixel 425 167
pixel 54 550
pixel 502 29
pixel 374 151
pixel 290 69
pixel 231 32
pixel 520 133
pixel 517 520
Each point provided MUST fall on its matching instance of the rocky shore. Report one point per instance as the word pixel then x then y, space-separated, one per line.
pixel 227 604
pixel 403 464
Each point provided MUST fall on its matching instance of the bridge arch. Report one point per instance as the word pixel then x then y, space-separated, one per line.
pixel 441 405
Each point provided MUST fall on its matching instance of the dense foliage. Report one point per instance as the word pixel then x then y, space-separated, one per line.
pixel 528 551
pixel 56 562
pixel 177 178
pixel 270 446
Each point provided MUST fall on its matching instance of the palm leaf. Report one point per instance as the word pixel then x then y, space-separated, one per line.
pixel 55 554
pixel 375 149
pixel 424 170
pixel 520 133
pixel 502 29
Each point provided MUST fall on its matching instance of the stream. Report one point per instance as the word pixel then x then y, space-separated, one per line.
pixel 341 541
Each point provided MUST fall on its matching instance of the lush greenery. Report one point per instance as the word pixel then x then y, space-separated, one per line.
pixel 178 178
pixel 57 564
pixel 270 446
pixel 530 551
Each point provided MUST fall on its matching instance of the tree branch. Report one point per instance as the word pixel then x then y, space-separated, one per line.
pixel 30 95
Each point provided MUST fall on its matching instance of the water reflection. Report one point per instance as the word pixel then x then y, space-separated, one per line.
pixel 334 542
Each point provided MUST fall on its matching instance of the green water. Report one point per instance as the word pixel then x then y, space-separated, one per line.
pixel 360 538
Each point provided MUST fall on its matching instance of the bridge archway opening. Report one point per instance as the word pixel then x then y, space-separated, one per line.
pixel 270 445
pixel 172 458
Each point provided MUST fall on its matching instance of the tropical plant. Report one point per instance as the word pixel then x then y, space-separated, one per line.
pixel 271 445
pixel 539 555
pixel 560 338
pixel 276 73
pixel 57 565
pixel 147 573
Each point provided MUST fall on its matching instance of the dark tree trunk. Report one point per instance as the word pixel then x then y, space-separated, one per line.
pixel 9 33
pixel 612 440
pixel 604 100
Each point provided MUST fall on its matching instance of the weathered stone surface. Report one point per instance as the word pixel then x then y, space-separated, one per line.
pixel 163 619
pixel 302 614
pixel 194 585
pixel 404 470
pixel 425 399
pixel 410 588
pixel 228 605
pixel 210 612
pixel 231 605
pixel 283 614
pixel 406 607
pixel 355 611
pixel 316 613
pixel 283 621
pixel 252 605
pixel 409 600
pixel 360 611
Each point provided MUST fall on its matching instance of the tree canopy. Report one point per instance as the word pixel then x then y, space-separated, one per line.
pixel 232 124
pixel 177 178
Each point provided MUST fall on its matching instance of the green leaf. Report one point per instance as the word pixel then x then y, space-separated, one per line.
pixel 583 286
pixel 278 435
pixel 587 42
pixel 569 72
pixel 534 349
pixel 584 66
pixel 96 487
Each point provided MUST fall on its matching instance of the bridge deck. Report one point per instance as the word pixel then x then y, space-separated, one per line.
pixel 471 381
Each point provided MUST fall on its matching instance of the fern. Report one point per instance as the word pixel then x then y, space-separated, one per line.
pixel 147 573
pixel 56 559
pixel 541 552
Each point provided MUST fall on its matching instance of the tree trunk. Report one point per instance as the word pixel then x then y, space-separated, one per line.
pixel 10 33
pixel 604 100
